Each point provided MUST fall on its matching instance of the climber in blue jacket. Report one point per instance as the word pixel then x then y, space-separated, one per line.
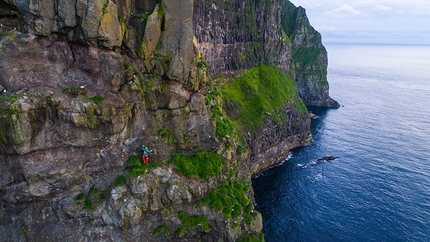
pixel 145 153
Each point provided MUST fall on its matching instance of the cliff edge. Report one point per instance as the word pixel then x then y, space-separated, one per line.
pixel 310 57
pixel 214 88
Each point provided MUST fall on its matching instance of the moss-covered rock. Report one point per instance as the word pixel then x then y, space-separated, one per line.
pixel 109 31
pixel 259 94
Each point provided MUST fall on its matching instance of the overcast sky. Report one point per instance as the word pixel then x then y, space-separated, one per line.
pixel 370 21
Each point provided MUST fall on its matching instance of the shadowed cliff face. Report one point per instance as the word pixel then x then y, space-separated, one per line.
pixel 86 83
pixel 235 35
pixel 309 55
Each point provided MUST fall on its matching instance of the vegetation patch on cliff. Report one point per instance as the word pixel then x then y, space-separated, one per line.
pixel 252 238
pixel 223 124
pixel 202 164
pixel 94 196
pixel 194 221
pixel 75 91
pixel 162 229
pixel 228 198
pixel 258 94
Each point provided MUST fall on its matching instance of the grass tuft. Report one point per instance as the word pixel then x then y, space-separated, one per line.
pixel 120 181
pixel 81 196
pixel 75 91
pixel 194 221
pixel 162 229
pixel 97 99
pixel 180 231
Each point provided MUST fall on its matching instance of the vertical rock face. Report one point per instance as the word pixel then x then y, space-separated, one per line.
pixel 83 84
pixel 238 34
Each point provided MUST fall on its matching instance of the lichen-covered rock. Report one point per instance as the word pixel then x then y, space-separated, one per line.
pixel 152 34
pixel 66 13
pixel 109 31
pixel 43 12
pixel 117 194
pixel 59 65
pixel 139 189
pixel 91 20
pixel 177 40
pixel 129 209
pixel 94 22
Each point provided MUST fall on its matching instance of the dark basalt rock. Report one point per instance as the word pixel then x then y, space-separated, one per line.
pixel 326 158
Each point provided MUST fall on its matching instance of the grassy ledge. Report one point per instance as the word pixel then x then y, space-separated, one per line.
pixel 260 93
pixel 202 164
pixel 229 198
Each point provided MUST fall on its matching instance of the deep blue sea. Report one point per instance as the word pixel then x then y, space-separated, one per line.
pixel 378 189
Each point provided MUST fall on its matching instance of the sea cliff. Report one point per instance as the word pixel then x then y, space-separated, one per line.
pixel 216 89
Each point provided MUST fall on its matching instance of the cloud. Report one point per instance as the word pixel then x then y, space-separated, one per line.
pixel 381 8
pixel 345 10
pixel 375 21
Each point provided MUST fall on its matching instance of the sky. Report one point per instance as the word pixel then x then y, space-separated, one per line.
pixel 370 21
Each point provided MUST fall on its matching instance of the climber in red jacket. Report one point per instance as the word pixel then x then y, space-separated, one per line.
pixel 145 153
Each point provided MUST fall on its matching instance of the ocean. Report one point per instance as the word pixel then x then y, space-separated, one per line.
pixel 378 189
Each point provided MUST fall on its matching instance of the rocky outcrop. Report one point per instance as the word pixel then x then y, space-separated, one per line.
pixel 59 65
pixel 152 32
pixel 83 84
